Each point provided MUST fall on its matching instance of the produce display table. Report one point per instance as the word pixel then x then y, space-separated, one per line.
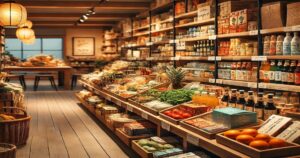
pixel 67 70
pixel 187 135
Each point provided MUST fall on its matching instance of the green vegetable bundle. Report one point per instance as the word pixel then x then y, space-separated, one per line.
pixel 175 97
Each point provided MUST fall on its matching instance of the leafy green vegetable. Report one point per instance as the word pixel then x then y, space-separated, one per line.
pixel 175 97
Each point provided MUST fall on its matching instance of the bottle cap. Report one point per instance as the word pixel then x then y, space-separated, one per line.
pixel 242 91
pixel 250 92
pixel 270 96
pixel 260 94
pixel 233 90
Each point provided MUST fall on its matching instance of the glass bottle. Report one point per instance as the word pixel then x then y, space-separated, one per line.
pixel 287 44
pixel 278 76
pixel 272 71
pixel 279 45
pixel 270 108
pixel 225 98
pixel 212 48
pixel 249 106
pixel 272 50
pixel 259 106
pixel 284 72
pixel 233 98
pixel 241 102
pixel 291 73
pixel 266 45
pixel 297 74
pixel 295 44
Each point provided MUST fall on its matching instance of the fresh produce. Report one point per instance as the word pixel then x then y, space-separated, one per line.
pixel 176 75
pixel 152 146
pixel 178 113
pixel 175 97
pixel 186 110
pixel 232 133
pixel 264 137
pixel 4 117
pixel 244 138
pixel 276 143
pixel 259 144
pixel 157 105
pixel 251 132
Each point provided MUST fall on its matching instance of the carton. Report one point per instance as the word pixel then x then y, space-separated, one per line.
pixel 293 17
pixel 233 22
pixel 205 12
pixel 277 11
pixel 225 8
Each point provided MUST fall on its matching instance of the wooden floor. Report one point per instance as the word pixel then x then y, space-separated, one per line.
pixel 60 128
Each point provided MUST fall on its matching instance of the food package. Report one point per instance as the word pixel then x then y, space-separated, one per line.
pixel 293 17
pixel 205 12
pixel 275 10
pixel 225 8
pixel 106 110
pixel 195 109
pixel 139 128
pixel 233 117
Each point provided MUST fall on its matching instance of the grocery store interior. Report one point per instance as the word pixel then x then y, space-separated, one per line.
pixel 149 79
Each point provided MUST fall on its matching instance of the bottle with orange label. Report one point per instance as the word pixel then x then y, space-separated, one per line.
pixel 297 74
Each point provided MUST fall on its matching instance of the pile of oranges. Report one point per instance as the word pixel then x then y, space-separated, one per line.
pixel 254 139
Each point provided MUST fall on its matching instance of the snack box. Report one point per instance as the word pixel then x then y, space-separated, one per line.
pixel 127 139
pixel 139 128
pixel 148 106
pixel 291 149
pixel 233 117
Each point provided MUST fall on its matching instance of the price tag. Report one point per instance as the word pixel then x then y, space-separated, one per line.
pixel 262 85
pixel 133 45
pixel 145 116
pixel 259 58
pixel 211 58
pixel 173 41
pixel 192 139
pixel 165 126
pixel 211 80
pixel 253 32
pixel 129 108
pixel 129 45
pixel 149 43
pixel 212 37
pixel 218 58
pixel 252 85
pixel 150 58
pixel 219 81
pixel 175 58
pixel 296 28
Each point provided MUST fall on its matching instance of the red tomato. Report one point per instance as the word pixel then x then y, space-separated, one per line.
pixel 186 115
pixel 176 111
pixel 168 112
pixel 176 116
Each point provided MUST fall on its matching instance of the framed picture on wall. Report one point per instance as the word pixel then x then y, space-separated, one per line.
pixel 83 46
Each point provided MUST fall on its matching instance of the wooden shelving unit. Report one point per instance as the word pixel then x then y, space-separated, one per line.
pixel 238 34
pixel 196 23
pixel 162 124
pixel 186 15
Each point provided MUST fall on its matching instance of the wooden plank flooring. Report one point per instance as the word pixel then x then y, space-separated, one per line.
pixel 60 128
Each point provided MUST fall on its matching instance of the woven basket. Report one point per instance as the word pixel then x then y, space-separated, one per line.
pixel 7 150
pixel 15 131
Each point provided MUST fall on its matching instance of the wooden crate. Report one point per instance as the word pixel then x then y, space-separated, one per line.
pixel 141 151
pixel 291 150
pixel 128 139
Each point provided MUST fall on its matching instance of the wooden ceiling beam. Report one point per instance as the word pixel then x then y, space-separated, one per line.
pixel 70 22
pixel 78 15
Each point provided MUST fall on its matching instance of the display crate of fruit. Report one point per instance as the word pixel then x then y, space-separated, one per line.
pixel 257 145
pixel 127 139
pixel 205 125
pixel 183 111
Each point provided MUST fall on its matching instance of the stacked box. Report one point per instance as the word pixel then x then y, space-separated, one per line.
pixel 293 17
pixel 233 118
pixel 275 10
pixel 139 128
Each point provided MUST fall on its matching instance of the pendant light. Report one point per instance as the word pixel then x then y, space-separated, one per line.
pixel 29 41
pixel 24 33
pixel 12 14
pixel 28 24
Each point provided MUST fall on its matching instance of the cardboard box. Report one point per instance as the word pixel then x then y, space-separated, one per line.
pixel 205 12
pixel 225 8
pixel 233 22
pixel 293 17
pixel 275 10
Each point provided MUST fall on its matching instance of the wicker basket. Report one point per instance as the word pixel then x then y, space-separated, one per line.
pixel 7 150
pixel 15 131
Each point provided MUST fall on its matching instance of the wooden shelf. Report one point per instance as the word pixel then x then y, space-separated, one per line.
pixel 160 58
pixel 82 66
pixel 193 58
pixel 194 39
pixel 186 15
pixel 196 23
pixel 161 42
pixel 282 57
pixel 141 28
pixel 283 87
pixel 235 58
pixel 281 29
pixel 141 34
pixel 162 7
pixel 196 79
pixel 109 52
pixel 163 21
pixel 238 34
pixel 237 83
pixel 208 144
pixel 162 30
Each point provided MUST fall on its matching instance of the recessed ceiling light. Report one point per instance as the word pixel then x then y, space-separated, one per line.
pixel 81 20
pixel 84 17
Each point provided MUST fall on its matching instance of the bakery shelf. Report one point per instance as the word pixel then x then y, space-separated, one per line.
pixel 186 15
pixel 287 57
pixel 238 34
pixel 210 145
pixel 196 23
pixel 281 29
pixel 162 30
pixel 206 37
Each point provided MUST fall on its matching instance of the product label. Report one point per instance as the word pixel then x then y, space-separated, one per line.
pixel 259 113
pixel 291 77
pixel 261 74
pixel 279 48
pixel 286 48
pixel 248 108
pixel 192 139
pixel 231 105
pixel 297 78
pixel 284 76
pixel 145 116
pixel 277 76
pixel 267 75
pixel 272 75
pixel 268 113
pixel 295 48
pixel 165 126
pixel 233 75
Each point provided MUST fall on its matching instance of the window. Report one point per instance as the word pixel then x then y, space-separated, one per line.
pixel 49 46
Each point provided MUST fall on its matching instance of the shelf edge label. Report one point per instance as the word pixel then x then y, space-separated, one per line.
pixel 259 58
pixel 165 126
pixel 212 37
pixel 145 116
pixel 129 108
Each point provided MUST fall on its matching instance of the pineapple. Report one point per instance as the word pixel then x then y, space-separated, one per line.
pixel 176 75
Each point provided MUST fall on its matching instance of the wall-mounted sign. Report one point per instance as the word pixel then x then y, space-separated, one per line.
pixel 83 46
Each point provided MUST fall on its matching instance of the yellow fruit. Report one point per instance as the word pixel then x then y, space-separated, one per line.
pixel 232 133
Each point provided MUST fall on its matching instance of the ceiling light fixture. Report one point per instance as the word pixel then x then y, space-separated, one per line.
pixel 81 20
pixel 84 17
pixel 12 14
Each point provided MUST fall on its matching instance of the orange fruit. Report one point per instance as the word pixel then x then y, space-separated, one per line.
pixel 249 131
pixel 245 139
pixel 232 133
pixel 259 144
pixel 263 137
pixel 276 143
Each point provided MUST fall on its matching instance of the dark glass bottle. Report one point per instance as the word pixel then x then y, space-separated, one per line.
pixel 272 71
pixel 270 108
pixel 241 102
pixel 278 73
pixel 291 73
pixel 259 106
pixel 233 99
pixel 225 98
pixel 297 74
pixel 285 71
pixel 250 102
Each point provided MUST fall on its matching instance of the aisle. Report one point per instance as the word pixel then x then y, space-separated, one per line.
pixel 60 128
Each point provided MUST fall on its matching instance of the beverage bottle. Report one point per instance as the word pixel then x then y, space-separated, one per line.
pixel 233 98
pixel 267 68
pixel 201 48
pixel 279 45
pixel 278 75
pixel 295 44
pixel 284 72
pixel 291 73
pixel 270 108
pixel 225 98
pixel 272 45
pixel 249 106
pixel 241 102
pixel 212 48
pixel 272 71
pixel 259 106
pixel 266 45
pixel 208 48
pixel 297 74
pixel 287 44
pixel 261 72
